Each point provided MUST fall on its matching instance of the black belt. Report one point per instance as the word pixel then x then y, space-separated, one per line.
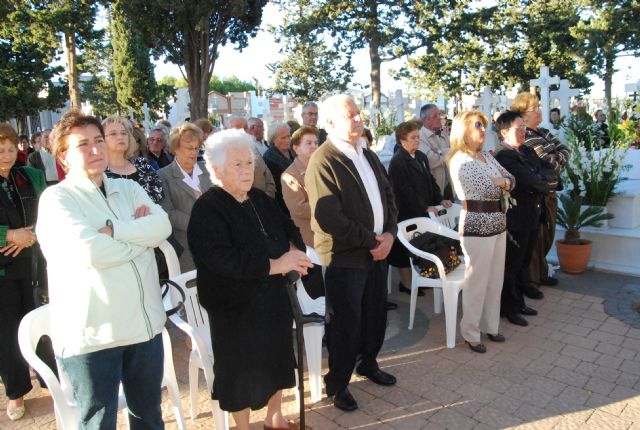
pixel 488 206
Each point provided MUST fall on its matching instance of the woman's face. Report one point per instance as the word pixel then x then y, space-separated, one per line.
pixel 187 151
pixel 86 151
pixel 8 154
pixel 237 173
pixel 282 139
pixel 515 134
pixel 411 141
pixel 533 115
pixel 116 137
pixel 475 135
pixel 307 145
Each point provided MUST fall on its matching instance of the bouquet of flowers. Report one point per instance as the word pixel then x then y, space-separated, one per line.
pixel 590 174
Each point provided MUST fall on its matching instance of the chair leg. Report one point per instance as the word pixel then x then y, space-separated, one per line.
pixel 437 300
pixel 220 417
pixel 389 278
pixel 412 305
pixel 313 347
pixel 194 375
pixel 169 380
pixel 451 314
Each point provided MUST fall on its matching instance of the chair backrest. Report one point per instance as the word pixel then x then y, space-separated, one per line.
pixel 451 218
pixel 170 256
pixel 33 326
pixel 408 228
pixel 197 316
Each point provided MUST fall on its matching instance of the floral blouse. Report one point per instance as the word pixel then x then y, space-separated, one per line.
pixel 144 175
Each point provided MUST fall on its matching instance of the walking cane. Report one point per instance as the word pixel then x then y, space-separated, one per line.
pixel 300 319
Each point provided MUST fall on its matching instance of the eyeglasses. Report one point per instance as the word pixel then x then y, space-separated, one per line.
pixel 520 128
pixel 534 109
pixel 478 125
pixel 155 139
pixel 117 133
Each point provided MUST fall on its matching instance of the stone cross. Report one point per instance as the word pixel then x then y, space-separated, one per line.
pixel 486 101
pixel 633 89
pixel 399 103
pixel 147 119
pixel 285 108
pixel 564 94
pixel 544 82
pixel 417 107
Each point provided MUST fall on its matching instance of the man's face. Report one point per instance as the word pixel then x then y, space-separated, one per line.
pixel 554 117
pixel 432 120
pixel 45 139
pixel 310 116
pixel 256 129
pixel 155 141
pixel 345 123
pixel 238 123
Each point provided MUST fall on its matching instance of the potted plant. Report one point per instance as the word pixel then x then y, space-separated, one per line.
pixel 573 252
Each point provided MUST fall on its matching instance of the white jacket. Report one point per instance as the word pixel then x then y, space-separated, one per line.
pixel 103 291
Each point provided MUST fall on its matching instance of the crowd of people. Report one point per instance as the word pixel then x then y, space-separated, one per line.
pixel 95 199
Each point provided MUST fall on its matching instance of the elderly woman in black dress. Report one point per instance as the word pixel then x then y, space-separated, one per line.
pixel 415 188
pixel 243 246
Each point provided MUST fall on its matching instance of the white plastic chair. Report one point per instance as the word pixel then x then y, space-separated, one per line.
pixel 450 284
pixel 34 325
pixel 201 357
pixel 451 218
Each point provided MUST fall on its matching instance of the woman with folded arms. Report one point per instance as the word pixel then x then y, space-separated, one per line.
pixel 479 180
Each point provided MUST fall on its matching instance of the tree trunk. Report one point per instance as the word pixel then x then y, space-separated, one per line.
pixel 74 89
pixel 609 70
pixel 199 68
pixel 374 58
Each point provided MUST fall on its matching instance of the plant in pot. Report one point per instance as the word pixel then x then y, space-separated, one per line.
pixel 574 252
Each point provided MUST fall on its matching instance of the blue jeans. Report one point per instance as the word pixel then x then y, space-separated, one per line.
pixel 96 377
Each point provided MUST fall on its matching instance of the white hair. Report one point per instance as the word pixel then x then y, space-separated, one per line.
pixel 274 128
pixel 332 106
pixel 218 144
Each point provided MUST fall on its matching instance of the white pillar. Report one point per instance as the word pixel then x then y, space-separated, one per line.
pixel 544 82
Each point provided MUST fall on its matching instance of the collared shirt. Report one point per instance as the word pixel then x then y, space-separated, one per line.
pixel 193 179
pixel 49 162
pixel 356 155
pixel 261 146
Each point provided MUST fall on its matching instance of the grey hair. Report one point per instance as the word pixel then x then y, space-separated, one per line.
pixel 331 106
pixel 218 144
pixel 425 109
pixel 273 131
pixel 164 130
pixel 308 105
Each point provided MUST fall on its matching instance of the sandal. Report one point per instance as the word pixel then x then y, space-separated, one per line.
pixel 16 413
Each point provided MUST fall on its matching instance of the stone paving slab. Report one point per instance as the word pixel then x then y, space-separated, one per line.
pixel 576 366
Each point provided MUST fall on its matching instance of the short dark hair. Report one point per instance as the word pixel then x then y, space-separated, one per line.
pixel 424 110
pixel 8 133
pixel 555 110
pixel 72 118
pixel 302 131
pixel 505 120
pixel 404 128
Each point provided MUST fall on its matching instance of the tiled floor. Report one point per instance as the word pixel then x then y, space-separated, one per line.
pixel 576 366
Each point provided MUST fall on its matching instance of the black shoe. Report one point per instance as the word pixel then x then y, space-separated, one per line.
pixel 549 282
pixel 344 400
pixel 526 310
pixel 533 293
pixel 477 348
pixel 517 319
pixel 391 306
pixel 406 290
pixel 377 376
pixel 496 337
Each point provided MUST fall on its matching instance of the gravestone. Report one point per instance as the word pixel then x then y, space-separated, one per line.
pixel 544 82
pixel 564 94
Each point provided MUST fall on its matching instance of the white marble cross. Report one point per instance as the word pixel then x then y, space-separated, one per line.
pixel 486 101
pixel 564 94
pixel 147 119
pixel 399 103
pixel 544 82
pixel 632 88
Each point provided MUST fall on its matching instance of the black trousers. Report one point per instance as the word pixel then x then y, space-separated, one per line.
pixel 516 270
pixel 357 321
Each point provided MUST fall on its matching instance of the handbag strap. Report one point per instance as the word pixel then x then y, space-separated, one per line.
pixel 166 283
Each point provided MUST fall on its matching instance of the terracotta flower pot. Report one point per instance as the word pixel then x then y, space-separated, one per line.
pixel 573 257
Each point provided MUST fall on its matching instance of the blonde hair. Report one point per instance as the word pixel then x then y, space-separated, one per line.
pixel 524 101
pixel 185 130
pixel 459 131
pixel 132 145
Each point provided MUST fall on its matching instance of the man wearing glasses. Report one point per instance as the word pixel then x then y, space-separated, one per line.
pixel 310 119
pixel 157 143
pixel 435 144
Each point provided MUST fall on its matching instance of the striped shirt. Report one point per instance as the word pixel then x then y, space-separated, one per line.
pixel 544 144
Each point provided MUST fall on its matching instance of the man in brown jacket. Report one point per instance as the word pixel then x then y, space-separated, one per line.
pixel 353 218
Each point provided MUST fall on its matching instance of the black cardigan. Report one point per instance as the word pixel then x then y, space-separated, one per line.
pixel 230 252
pixel 415 187
pixel 531 185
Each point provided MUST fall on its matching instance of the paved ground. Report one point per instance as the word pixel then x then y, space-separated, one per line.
pixel 576 366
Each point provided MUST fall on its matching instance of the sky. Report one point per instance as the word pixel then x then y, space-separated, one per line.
pixel 263 49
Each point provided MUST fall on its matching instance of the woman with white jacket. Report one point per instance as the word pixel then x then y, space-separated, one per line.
pixel 98 235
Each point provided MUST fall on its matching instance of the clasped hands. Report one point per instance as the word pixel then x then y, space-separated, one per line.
pixel 384 242
pixel 17 240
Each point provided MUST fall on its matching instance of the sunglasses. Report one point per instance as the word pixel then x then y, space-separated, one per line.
pixel 479 125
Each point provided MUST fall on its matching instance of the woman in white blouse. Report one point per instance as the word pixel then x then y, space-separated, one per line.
pixel 183 181
pixel 479 181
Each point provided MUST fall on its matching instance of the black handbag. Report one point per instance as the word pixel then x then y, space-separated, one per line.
pixel 446 249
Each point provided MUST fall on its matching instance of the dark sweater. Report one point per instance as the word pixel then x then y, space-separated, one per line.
pixel 341 214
